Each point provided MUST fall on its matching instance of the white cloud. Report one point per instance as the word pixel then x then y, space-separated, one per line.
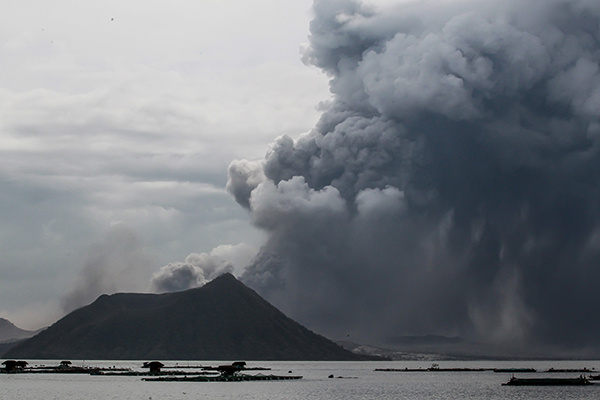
pixel 132 112
pixel 198 269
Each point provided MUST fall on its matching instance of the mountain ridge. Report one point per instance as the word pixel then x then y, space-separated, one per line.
pixel 10 332
pixel 223 320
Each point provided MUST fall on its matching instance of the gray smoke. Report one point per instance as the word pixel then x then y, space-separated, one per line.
pixel 113 264
pixel 451 186
pixel 195 271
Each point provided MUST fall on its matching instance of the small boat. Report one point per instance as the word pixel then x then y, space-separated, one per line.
pixel 581 380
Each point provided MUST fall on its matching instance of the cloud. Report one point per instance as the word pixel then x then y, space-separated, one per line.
pixel 199 269
pixel 132 113
pixel 449 186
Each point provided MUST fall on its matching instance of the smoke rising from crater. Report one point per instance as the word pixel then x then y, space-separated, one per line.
pixel 451 185
pixel 195 271
pixel 199 268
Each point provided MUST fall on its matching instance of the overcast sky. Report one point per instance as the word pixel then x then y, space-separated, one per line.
pixel 118 121
pixel 429 167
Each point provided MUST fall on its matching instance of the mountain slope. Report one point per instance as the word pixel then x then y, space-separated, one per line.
pixel 223 320
pixel 9 332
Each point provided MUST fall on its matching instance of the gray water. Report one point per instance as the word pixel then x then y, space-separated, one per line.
pixel 360 381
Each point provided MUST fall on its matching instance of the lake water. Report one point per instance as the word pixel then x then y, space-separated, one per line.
pixel 360 381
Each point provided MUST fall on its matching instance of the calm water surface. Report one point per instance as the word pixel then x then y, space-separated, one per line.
pixel 360 382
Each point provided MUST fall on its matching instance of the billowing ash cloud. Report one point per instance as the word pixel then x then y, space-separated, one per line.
pixel 451 185
pixel 195 271
pixel 198 269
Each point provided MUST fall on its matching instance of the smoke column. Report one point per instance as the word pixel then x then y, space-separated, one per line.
pixel 451 186
pixel 113 264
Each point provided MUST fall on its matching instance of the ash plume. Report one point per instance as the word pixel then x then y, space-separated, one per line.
pixel 113 264
pixel 195 271
pixel 200 268
pixel 451 185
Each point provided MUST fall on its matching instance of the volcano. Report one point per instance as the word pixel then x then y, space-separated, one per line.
pixel 223 320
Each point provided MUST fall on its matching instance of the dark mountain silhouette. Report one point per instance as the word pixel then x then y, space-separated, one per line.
pixel 5 346
pixel 9 332
pixel 223 320
pixel 10 335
